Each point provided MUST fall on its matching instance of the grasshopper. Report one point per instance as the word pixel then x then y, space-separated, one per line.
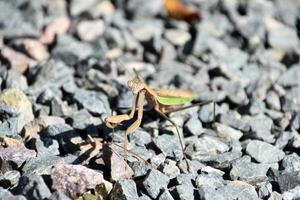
pixel 163 101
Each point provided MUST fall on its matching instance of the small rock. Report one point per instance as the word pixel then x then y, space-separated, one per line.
pixel 90 31
pixel 142 9
pixel 205 147
pixel 74 179
pixel 16 80
pixel 264 189
pixel 95 102
pixel 291 162
pixel 7 111
pixel 119 169
pixel 206 113
pixel 291 77
pixel 284 139
pixel 165 195
pixel 13 158
pixel 51 75
pixel 139 168
pixel 51 120
pixel 233 190
pixel 194 126
pixel 70 50
pixel 273 100
pixel 82 119
pixel 292 194
pixel 18 61
pixel 169 145
pixel 35 49
pixel 19 101
pixel 10 179
pixel 245 170
pixel 264 152
pixel 292 100
pixel 79 6
pixel 140 137
pixel 261 127
pixel 227 132
pixel 235 122
pixel 11 142
pixel 41 165
pixel 63 133
pixel 58 26
pixel 59 196
pixel 60 108
pixel 277 31
pixel 286 180
pixel 155 182
pixel 257 107
pixel 33 187
pixel 177 37
pixel 209 180
pixel 275 196
pixel 185 192
pixel 170 169
pixel 124 189
pixel 185 179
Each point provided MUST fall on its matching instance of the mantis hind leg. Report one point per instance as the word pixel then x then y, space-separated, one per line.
pixel 179 136
pixel 194 105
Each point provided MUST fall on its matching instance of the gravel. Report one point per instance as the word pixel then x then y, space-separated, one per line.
pixel 64 68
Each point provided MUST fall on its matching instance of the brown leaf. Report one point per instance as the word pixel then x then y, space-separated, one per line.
pixel 180 11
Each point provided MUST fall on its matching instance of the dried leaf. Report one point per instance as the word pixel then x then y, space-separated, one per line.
pixel 180 11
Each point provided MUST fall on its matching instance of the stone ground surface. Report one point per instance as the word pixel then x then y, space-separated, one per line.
pixel 64 67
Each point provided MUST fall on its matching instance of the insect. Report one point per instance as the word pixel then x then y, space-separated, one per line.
pixel 163 101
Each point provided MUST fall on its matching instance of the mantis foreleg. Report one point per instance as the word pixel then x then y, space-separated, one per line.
pixel 113 121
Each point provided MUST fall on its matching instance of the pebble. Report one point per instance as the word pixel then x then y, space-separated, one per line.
pixel 184 192
pixel 33 187
pixel 94 102
pixel 18 61
pixel 10 179
pixel 13 158
pixel 209 180
pixel 194 125
pixel 16 80
pixel 35 49
pixel 261 128
pixel 155 182
pixel 264 152
pixel 74 179
pixel 177 37
pixel 245 170
pixel 59 25
pixel 119 169
pixel 170 169
pixel 290 77
pixel 169 146
pixel 227 132
pixel 291 101
pixel 165 195
pixel 273 101
pixel 235 121
pixel 276 31
pixel 124 189
pixel 230 191
pixel 291 162
pixel 90 31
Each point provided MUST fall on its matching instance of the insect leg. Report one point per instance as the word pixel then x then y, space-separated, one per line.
pixel 179 136
pixel 138 121
pixel 113 121
pixel 194 105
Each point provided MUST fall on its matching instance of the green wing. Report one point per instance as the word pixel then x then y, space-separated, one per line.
pixel 174 100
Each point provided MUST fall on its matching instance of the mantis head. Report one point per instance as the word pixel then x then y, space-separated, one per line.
pixel 136 85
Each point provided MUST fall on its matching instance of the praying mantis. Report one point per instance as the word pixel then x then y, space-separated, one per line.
pixel 163 101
